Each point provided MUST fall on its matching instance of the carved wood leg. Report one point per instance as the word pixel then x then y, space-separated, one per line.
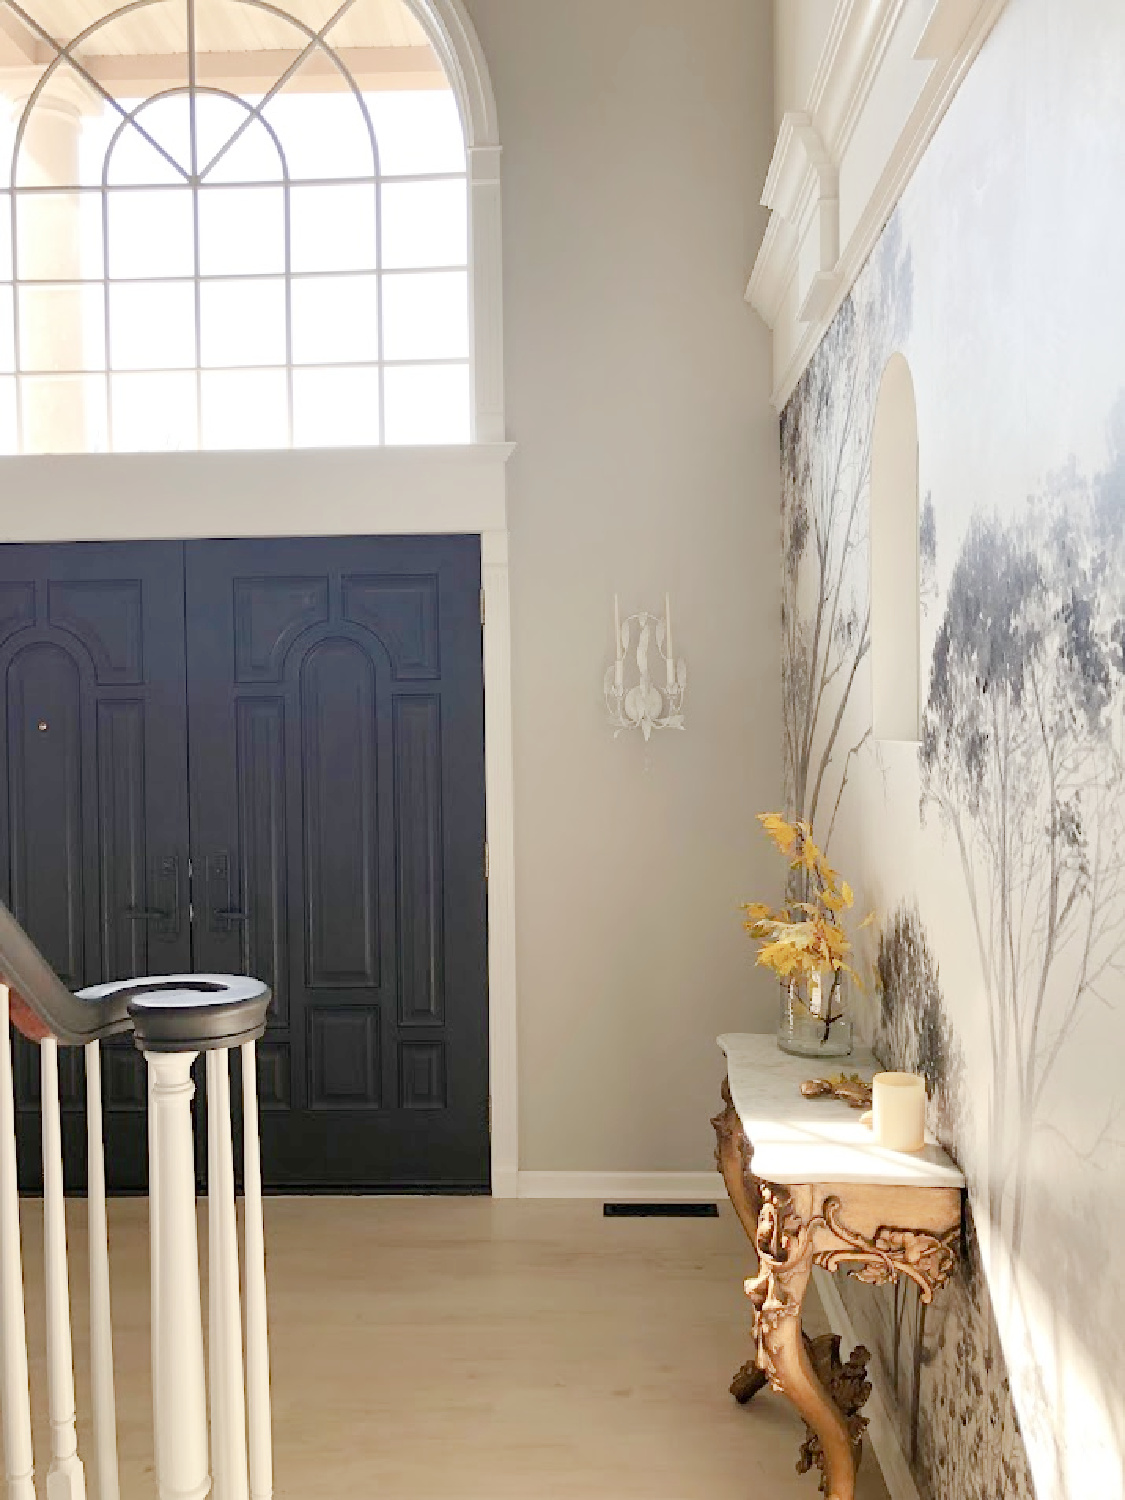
pixel 777 1294
pixel 848 1387
pixel 732 1157
pixel 748 1382
pixel 783 1359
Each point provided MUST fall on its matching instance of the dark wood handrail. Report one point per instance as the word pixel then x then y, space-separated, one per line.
pixel 42 1004
pixel 168 1013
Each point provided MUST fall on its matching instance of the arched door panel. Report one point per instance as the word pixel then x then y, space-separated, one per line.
pixel 337 795
pixel 93 802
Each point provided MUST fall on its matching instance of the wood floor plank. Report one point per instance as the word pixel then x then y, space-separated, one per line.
pixel 466 1349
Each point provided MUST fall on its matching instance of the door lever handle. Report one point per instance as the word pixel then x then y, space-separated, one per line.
pixel 222 915
pixel 229 916
pixel 165 880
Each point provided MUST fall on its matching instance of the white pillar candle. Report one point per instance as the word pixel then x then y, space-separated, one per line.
pixel 668 642
pixel 898 1108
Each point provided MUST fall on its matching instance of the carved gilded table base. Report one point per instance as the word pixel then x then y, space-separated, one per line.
pixel 841 1227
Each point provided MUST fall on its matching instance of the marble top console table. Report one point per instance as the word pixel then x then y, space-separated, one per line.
pixel 811 1188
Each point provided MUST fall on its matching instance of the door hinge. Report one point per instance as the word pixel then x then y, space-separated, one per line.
pixel 486 860
pixel 482 606
pixel 490 1114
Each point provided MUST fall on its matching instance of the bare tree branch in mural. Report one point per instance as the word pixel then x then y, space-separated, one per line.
pixel 826 434
pixel 1022 754
pixel 954 1409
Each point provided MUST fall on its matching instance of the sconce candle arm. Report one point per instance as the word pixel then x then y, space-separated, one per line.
pixel 644 705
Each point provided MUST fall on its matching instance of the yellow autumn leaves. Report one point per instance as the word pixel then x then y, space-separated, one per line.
pixel 806 937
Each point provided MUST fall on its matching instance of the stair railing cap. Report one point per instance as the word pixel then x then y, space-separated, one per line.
pixel 191 1012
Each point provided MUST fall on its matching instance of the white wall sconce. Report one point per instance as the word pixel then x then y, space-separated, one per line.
pixel 645 704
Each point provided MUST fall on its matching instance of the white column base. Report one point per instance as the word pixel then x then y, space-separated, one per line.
pixel 68 1481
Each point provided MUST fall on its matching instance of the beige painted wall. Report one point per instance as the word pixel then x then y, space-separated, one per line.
pixel 636 134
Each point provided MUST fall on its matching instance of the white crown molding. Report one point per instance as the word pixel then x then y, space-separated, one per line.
pixel 857 43
pixel 807 263
pixel 880 1429
pixel 946 29
pixel 801 165
pixel 802 184
pixel 802 192
pixel 624 1187
pixel 773 270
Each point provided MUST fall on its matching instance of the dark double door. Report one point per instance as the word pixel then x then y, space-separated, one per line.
pixel 261 757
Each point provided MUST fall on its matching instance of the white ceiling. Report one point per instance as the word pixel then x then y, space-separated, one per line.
pixel 383 34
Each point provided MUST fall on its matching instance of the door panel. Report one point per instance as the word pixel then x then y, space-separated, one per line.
pixel 93 816
pixel 337 810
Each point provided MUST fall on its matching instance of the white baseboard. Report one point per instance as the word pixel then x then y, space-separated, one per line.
pixel 880 1429
pixel 625 1187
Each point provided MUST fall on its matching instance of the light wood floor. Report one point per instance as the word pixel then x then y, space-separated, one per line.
pixel 465 1349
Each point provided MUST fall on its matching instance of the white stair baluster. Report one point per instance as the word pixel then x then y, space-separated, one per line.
pixel 101 1322
pixel 257 1337
pixel 15 1398
pixel 153 1255
pixel 228 1401
pixel 66 1479
pixel 179 1383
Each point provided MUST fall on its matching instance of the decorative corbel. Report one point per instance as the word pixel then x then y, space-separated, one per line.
pixel 802 192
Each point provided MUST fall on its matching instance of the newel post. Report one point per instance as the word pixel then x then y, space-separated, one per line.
pixel 174 1020
pixel 178 1380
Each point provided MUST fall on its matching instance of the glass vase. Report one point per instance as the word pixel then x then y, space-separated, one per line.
pixel 806 1027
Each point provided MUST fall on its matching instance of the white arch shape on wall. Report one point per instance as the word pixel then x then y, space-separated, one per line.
pixel 893 527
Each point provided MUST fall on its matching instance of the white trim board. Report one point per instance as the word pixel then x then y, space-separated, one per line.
pixel 880 1429
pixel 887 75
pixel 625 1187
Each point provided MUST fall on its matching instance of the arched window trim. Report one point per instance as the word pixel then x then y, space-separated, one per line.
pixel 451 34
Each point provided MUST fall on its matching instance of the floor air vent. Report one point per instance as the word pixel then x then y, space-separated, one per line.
pixel 660 1210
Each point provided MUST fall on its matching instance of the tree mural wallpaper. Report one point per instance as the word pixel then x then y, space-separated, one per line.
pixel 957 1421
pixel 825 476
pixel 1022 755
pixel 993 850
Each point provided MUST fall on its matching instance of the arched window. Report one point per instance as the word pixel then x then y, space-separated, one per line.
pixel 894 557
pixel 231 224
